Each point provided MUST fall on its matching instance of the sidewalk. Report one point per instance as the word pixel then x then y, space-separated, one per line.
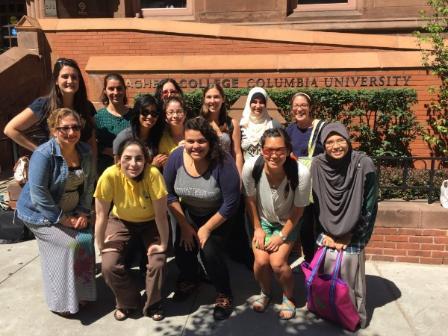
pixel 403 299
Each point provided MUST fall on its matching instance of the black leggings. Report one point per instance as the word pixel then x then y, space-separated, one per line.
pixel 212 255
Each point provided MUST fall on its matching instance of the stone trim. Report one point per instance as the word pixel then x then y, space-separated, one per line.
pixel 318 61
pixel 231 31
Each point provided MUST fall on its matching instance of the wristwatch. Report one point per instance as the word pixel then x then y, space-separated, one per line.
pixel 282 236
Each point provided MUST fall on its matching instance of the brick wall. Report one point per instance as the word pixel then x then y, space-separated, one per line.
pixel 84 44
pixel 425 246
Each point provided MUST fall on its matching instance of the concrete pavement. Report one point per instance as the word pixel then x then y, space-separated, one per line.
pixel 402 299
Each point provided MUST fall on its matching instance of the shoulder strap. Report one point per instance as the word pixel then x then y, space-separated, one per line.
pixel 258 169
pixel 314 136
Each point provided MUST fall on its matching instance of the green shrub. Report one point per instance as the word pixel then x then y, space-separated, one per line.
pixel 381 121
pixel 391 183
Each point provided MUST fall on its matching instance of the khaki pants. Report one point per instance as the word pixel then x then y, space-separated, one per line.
pixel 117 277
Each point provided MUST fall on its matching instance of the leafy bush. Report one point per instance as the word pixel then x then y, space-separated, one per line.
pixel 391 183
pixel 381 121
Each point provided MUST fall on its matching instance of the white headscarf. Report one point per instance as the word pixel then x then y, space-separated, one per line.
pixel 255 125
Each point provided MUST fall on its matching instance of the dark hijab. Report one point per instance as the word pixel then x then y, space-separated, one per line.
pixel 338 184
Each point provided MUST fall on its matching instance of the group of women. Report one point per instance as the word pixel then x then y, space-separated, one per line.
pixel 154 164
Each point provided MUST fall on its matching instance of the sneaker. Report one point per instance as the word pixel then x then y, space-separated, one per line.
pixel 223 307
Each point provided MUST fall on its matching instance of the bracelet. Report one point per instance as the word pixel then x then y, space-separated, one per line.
pixel 282 236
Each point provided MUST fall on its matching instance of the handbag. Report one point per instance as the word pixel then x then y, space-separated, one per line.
pixel 21 170
pixel 444 194
pixel 328 296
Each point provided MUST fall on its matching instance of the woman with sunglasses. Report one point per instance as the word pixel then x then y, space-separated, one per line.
pixel 55 205
pixel 146 125
pixel 67 89
pixel 277 189
pixel 111 119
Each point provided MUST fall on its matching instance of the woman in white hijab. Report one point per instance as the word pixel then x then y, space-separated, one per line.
pixel 254 122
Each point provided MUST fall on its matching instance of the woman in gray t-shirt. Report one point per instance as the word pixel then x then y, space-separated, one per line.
pixel 277 189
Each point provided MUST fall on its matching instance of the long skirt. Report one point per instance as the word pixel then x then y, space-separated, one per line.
pixel 68 266
pixel 353 273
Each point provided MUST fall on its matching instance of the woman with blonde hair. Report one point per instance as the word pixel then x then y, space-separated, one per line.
pixel 55 205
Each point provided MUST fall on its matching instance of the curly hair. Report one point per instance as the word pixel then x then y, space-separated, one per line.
pixel 216 154
pixel 56 115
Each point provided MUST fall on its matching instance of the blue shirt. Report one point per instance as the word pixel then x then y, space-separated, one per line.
pixel 48 172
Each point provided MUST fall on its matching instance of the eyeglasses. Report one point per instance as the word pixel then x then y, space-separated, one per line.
pixel 166 92
pixel 280 151
pixel 174 113
pixel 303 106
pixel 338 142
pixel 66 129
pixel 146 114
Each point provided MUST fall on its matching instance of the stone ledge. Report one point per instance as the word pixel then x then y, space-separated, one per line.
pixel 414 214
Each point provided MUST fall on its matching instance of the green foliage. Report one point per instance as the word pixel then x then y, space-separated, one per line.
pixel 435 59
pixel 381 121
pixel 391 183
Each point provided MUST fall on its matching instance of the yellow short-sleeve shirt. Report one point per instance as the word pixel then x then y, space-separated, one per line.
pixel 132 200
pixel 167 143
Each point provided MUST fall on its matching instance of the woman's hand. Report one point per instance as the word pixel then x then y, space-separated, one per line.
pixel 337 243
pixel 258 239
pixel 274 243
pixel 80 222
pixel 156 248
pixel 160 160
pixel 188 236
pixel 203 235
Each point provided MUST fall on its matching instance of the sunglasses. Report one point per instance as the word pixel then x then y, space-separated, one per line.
pixel 165 92
pixel 152 113
pixel 278 151
pixel 66 129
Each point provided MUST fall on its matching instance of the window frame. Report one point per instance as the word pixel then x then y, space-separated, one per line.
pixel 350 5
pixel 188 10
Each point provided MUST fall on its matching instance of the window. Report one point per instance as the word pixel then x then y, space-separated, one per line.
pixel 167 8
pixel 164 4
pixel 325 5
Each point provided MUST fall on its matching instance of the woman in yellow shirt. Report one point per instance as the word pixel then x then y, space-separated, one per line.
pixel 138 194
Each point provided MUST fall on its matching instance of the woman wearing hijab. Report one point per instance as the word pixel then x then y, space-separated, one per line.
pixel 254 122
pixel 345 192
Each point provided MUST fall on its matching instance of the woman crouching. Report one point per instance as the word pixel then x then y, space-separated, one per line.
pixel 277 189
pixel 138 194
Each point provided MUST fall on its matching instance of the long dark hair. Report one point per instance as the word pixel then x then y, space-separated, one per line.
pixel 114 76
pixel 55 96
pixel 141 103
pixel 290 166
pixel 216 154
pixel 223 118
pixel 159 88
pixel 139 143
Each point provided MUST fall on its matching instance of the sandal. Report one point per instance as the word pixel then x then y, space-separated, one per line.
pixel 287 309
pixel 156 311
pixel 223 307
pixel 121 314
pixel 261 303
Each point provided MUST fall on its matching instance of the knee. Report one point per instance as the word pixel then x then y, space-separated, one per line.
pixel 156 262
pixel 110 265
pixel 261 262
pixel 279 266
